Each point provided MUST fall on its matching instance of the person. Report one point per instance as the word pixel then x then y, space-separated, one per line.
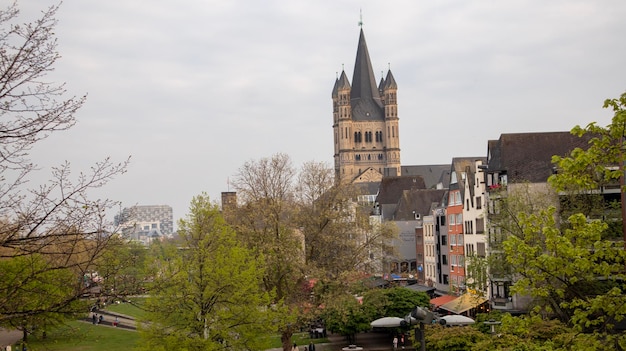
pixel 395 342
pixel 295 347
pixel 94 318
pixel 311 346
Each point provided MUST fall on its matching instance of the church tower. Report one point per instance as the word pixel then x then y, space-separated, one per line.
pixel 365 123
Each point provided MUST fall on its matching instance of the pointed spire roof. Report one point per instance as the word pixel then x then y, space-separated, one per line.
pixel 364 96
pixel 343 82
pixel 390 82
pixel 335 93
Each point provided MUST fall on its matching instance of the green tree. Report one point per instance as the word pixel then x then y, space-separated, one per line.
pixel 266 223
pixel 344 315
pixel 600 166
pixel 122 268
pixel 50 234
pixel 394 302
pixel 207 293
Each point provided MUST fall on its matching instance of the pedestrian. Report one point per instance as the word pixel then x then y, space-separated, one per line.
pixel 402 340
pixel 100 319
pixel 94 318
pixel 295 347
pixel 311 346
pixel 395 342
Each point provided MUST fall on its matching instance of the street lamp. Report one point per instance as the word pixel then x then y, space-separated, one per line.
pixel 422 316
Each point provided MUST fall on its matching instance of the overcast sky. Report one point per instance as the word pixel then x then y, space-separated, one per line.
pixel 192 89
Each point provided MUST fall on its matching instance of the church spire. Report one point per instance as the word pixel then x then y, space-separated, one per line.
pixel 364 96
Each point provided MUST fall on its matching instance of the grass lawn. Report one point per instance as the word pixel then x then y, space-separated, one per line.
pixel 129 309
pixel 81 336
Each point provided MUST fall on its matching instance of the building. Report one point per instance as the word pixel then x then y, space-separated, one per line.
pixel 518 162
pixel 365 123
pixel 146 223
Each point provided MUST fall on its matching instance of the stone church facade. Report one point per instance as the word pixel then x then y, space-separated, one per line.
pixel 365 123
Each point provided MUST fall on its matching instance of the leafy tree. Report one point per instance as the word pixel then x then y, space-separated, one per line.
pixel 265 222
pixel 308 229
pixel 207 295
pixel 344 315
pixel 598 167
pixel 122 268
pixel 439 338
pixel 50 234
pixel 394 302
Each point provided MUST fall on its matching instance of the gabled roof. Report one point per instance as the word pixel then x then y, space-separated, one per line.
pixel 417 202
pixel 432 174
pixel 528 156
pixel 364 96
pixel 391 188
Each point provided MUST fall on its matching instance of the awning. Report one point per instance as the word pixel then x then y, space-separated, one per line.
pixel 422 288
pixel 438 301
pixel 463 303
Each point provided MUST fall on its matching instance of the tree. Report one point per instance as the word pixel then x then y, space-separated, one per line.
pixel 308 228
pixel 339 235
pixel 55 225
pixel 266 223
pixel 207 293
pixel 345 316
pixel 122 268
pixel 573 269
pixel 600 165
pixel 394 302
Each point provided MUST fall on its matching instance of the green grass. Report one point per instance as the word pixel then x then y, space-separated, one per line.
pixel 129 309
pixel 81 336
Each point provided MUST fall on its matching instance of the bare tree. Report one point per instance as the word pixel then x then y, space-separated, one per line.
pixel 51 233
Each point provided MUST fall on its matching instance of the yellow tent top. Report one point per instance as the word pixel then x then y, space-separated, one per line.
pixel 463 303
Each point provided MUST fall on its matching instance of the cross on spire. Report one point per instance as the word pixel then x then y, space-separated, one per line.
pixel 361 18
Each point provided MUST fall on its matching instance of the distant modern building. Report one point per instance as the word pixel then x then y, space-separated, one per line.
pixel 146 223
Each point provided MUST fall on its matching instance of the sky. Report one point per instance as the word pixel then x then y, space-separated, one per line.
pixel 193 89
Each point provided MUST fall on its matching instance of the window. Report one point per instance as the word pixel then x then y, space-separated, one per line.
pixel 444 240
pixel 480 250
pixel 469 227
pixel 444 260
pixel 469 249
pixel 480 226
pixel 479 202
pixel 451 219
pixel 459 218
pixel 446 279
pixel 452 240
pixel 459 240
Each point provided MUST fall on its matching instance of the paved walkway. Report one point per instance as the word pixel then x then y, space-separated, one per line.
pixel 370 341
pixel 9 337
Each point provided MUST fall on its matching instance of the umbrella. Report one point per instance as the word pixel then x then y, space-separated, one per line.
pixel 386 322
pixel 457 319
